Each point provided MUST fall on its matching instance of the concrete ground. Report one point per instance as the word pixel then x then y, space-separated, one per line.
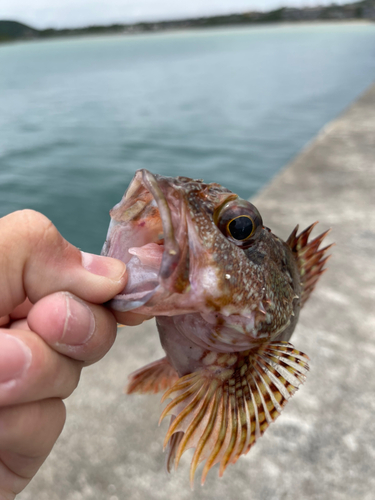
pixel 323 446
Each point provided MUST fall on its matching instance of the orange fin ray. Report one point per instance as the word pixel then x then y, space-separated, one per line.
pixel 172 447
pixel 222 413
pixel 155 377
pixel 310 258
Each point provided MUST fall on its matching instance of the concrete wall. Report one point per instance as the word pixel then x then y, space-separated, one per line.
pixel 323 446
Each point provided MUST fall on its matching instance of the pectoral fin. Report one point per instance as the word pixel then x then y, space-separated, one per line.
pixel 155 377
pixel 222 411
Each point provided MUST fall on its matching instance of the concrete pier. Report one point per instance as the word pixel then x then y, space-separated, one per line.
pixel 323 446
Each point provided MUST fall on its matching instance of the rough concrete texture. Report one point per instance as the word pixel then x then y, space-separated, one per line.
pixel 323 446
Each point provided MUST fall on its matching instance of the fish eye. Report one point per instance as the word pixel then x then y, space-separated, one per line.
pixel 241 228
pixel 239 221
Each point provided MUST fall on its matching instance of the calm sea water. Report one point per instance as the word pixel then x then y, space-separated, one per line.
pixel 79 116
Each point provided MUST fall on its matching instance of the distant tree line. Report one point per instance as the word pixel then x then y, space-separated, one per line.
pixel 365 9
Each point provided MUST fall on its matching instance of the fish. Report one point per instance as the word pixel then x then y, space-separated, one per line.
pixel 226 294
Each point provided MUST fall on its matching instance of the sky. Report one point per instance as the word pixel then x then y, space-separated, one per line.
pixel 42 14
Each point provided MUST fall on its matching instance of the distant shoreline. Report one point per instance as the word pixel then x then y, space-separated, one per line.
pixel 362 11
pixel 190 29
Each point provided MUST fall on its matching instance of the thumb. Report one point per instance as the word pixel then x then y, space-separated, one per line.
pixel 35 261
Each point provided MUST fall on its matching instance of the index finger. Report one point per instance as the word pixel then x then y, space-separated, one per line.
pixel 35 261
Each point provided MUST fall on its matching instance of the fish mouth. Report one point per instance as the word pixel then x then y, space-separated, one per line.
pixel 142 234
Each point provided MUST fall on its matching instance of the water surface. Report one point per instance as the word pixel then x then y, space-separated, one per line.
pixel 79 116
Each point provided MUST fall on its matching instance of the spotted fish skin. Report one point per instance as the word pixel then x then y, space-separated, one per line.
pixel 226 293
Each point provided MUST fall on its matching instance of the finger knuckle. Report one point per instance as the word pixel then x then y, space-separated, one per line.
pixel 29 217
pixel 32 224
pixel 43 235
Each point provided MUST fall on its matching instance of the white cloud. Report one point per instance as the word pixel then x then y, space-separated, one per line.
pixel 75 13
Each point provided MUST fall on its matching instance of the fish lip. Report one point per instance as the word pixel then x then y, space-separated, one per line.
pixel 171 253
pixel 123 305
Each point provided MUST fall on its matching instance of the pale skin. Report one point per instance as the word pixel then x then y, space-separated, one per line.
pixel 52 324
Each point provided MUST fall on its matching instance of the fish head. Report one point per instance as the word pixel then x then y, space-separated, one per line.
pixel 193 247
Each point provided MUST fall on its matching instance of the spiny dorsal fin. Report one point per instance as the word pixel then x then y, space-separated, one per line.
pixel 310 258
pixel 221 413
pixel 155 377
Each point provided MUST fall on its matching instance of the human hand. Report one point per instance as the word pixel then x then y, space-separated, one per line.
pixel 43 347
